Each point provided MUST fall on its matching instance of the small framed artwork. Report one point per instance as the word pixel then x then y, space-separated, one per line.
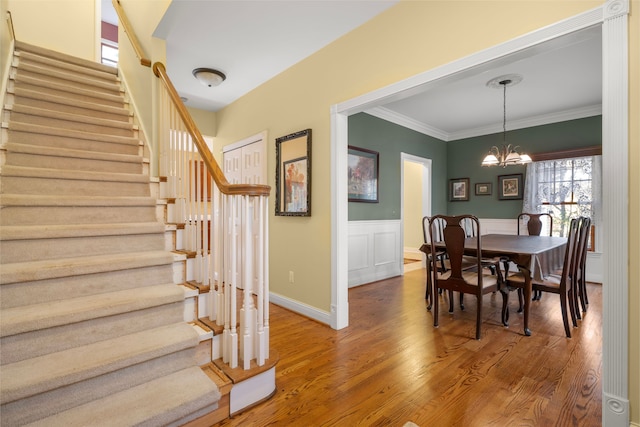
pixel 483 189
pixel 510 187
pixel 293 174
pixel 363 175
pixel 458 189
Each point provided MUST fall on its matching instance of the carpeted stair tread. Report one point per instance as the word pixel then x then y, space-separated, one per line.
pixel 26 47
pixel 49 269
pixel 73 78
pixel 74 201
pixel 164 401
pixel 21 80
pixel 67 133
pixel 39 374
pixel 50 314
pixel 27 172
pixel 51 63
pixel 19 232
pixel 71 153
pixel 69 117
pixel 120 112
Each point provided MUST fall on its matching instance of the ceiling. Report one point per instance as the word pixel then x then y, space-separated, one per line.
pixel 253 41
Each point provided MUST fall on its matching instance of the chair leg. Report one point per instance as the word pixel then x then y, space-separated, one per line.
pixel 479 317
pixel 505 305
pixel 575 289
pixel 582 290
pixel 520 301
pixel 436 305
pixel 428 293
pixel 461 301
pixel 573 306
pixel 450 301
pixel 563 308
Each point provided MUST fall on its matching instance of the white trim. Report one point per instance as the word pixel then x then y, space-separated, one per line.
pixel 418 126
pixel 615 170
pixel 615 178
pixel 301 308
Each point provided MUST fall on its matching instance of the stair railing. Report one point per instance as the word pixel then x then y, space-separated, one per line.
pixel 212 211
pixel 126 26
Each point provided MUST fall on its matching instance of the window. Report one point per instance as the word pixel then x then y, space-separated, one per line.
pixel 109 53
pixel 566 188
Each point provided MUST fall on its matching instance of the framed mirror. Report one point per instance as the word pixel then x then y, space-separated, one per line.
pixel 293 174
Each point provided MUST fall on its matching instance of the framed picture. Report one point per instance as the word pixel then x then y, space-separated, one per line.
pixel 458 189
pixel 483 188
pixel 510 187
pixel 363 175
pixel 293 174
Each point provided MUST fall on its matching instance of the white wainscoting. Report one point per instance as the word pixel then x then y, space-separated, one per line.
pixel 374 251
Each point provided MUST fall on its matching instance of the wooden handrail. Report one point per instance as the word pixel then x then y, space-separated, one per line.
pixel 218 176
pixel 10 24
pixel 122 17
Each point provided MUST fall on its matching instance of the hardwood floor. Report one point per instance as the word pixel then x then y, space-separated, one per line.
pixel 391 365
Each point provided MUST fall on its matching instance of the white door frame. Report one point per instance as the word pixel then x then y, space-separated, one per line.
pixel 613 16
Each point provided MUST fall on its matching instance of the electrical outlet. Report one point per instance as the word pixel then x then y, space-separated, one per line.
pixel 291 277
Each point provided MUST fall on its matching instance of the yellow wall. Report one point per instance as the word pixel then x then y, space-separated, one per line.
pixel 67 26
pixel 410 38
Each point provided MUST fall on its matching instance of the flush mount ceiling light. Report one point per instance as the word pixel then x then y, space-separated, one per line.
pixel 507 154
pixel 209 77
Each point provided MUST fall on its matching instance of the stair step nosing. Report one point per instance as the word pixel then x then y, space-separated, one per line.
pixel 33 376
pixel 21 46
pixel 17 320
pixel 56 268
pixel 122 408
pixel 70 117
pixel 71 134
pixel 21 79
pixel 28 172
pixel 73 77
pixel 48 61
pixel 33 232
pixel 42 150
pixel 55 99
pixel 28 200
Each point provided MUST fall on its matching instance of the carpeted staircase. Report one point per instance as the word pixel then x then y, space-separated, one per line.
pixel 92 329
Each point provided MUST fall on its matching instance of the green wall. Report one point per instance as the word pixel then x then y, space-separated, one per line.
pixel 390 140
pixel 457 159
pixel 464 157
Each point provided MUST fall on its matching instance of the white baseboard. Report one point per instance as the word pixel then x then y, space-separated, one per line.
pixel 300 308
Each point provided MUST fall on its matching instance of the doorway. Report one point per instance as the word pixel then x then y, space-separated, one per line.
pixel 415 183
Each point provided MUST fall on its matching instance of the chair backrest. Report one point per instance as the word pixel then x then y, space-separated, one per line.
pixel 454 235
pixel 437 233
pixel 568 268
pixel 534 223
pixel 471 228
pixel 584 227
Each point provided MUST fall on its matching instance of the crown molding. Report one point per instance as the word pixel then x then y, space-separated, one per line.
pixel 544 119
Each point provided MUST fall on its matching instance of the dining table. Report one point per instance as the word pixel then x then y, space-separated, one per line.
pixel 535 256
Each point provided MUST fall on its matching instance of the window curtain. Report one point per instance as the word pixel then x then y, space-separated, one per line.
pixel 540 173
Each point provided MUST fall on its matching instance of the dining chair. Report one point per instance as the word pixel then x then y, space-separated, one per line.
pixel 440 255
pixel 579 269
pixel 534 224
pixel 558 284
pixel 477 281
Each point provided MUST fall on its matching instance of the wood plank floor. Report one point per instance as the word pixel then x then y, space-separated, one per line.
pixel 391 365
